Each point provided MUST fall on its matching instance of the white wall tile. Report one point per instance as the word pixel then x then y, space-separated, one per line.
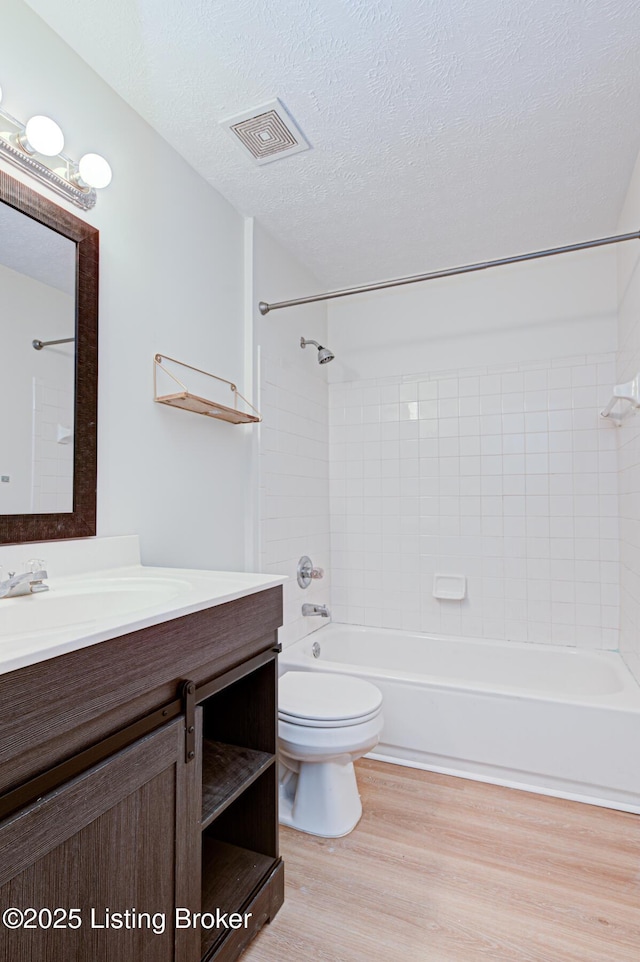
pixel 628 443
pixel 501 484
pixel 295 479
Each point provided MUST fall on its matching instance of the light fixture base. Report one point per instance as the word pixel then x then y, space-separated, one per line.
pixel 84 199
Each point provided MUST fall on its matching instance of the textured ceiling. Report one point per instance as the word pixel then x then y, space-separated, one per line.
pixel 443 131
pixel 33 249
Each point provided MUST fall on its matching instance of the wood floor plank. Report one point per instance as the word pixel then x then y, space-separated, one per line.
pixel 443 869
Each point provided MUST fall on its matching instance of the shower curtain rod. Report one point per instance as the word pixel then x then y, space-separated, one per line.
pixel 265 308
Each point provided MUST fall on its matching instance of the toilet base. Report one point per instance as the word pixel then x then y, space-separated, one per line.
pixel 320 798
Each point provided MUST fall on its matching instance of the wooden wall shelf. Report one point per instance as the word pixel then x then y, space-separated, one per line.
pixel 189 401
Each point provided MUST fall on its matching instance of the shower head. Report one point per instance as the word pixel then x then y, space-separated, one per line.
pixel 325 354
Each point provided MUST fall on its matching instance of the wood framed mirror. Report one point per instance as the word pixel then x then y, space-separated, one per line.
pixel 48 396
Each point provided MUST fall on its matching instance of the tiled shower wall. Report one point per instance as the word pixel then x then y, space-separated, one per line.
pixel 294 483
pixel 629 458
pixel 628 434
pixel 507 476
pixel 52 460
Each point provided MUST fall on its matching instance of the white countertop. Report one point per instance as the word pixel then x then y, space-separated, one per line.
pixel 84 607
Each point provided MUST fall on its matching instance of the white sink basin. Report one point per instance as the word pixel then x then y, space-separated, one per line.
pixel 85 601
pixel 98 590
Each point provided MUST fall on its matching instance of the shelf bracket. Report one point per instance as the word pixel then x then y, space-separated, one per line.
pixel 189 704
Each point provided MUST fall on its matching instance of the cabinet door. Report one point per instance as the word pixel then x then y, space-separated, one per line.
pixel 118 844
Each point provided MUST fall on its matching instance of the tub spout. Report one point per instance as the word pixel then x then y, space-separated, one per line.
pixel 320 610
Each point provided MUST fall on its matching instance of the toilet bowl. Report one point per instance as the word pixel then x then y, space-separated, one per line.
pixel 325 723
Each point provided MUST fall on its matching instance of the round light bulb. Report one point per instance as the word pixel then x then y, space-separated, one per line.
pixel 94 170
pixel 44 136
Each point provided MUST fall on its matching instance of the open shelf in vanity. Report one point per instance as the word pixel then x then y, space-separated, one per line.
pixel 227 770
pixel 227 871
pixel 239 800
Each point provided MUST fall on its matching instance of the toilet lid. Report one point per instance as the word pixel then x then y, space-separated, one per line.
pixel 323 697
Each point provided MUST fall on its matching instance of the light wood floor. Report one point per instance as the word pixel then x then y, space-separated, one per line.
pixel 442 869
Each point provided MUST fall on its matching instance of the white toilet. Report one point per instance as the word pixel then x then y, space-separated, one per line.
pixel 325 723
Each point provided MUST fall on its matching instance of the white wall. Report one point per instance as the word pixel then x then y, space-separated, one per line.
pixel 525 312
pixel 171 281
pixel 628 435
pixel 32 310
pixel 293 437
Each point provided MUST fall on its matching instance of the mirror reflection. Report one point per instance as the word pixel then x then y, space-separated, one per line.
pixel 37 294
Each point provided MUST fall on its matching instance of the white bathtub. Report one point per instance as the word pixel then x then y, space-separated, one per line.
pixel 553 720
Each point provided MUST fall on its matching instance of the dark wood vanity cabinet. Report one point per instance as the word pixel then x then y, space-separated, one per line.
pixel 153 800
pixel 104 842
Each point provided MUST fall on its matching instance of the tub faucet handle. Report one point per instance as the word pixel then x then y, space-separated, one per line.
pixel 307 573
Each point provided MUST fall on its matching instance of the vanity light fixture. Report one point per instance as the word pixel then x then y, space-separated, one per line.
pixel 24 144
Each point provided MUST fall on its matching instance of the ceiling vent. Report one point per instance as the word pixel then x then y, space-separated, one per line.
pixel 267 133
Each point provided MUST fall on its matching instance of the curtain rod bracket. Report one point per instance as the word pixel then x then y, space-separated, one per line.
pixel 37 345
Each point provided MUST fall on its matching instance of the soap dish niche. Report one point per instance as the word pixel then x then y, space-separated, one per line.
pixel 449 587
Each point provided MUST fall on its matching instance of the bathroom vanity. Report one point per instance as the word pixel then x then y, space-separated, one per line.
pixel 138 777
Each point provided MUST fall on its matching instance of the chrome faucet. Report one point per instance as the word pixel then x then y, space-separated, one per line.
pixel 321 610
pixel 28 582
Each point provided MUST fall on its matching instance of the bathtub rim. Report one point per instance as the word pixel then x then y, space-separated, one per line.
pixel 627 699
